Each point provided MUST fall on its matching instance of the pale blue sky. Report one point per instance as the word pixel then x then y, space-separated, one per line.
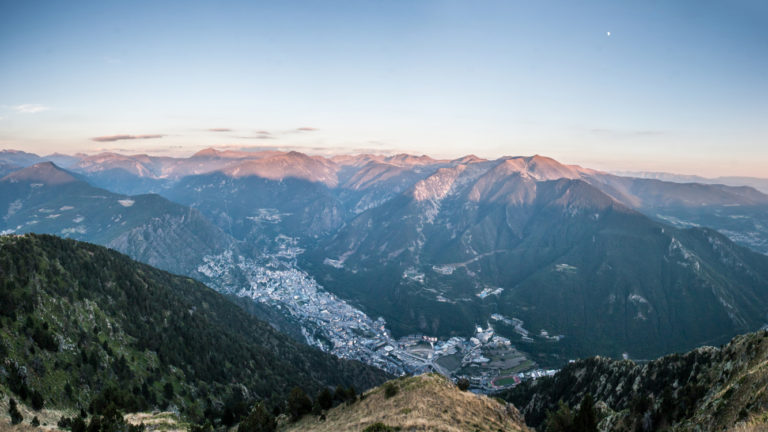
pixel 676 86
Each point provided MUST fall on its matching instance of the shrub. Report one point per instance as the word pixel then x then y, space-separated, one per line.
pixel 44 339
pixel 36 400
pixel 325 399
pixel 78 424
pixel 463 384
pixel 379 427
pixel 258 420
pixel 298 403
pixel 390 389
pixel 168 391
pixel 204 427
pixel 64 422
pixel 13 411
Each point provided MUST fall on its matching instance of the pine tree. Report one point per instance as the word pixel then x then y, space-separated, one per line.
pixel 560 420
pixel 258 420
pixel 13 411
pixel 37 400
pixel 586 419
pixel 325 399
pixel 298 403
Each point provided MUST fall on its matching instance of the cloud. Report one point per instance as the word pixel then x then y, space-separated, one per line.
pixel 153 150
pixel 306 129
pixel 259 137
pixel 30 108
pixel 219 130
pixel 111 138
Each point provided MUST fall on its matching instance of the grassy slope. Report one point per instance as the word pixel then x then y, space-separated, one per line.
pixel 422 403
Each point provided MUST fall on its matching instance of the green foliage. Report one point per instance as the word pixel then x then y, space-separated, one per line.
pixel 379 427
pixel 342 394
pixel 258 420
pixel 711 385
pixel 298 404
pixel 324 399
pixel 16 380
pixel 36 400
pixel 560 420
pixel 111 421
pixel 78 424
pixel 586 418
pixel 75 424
pixel 463 384
pixel 13 411
pixel 390 389
pixel 203 427
pixel 564 420
pixel 168 391
pixel 44 339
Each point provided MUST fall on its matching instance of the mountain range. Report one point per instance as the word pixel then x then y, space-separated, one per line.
pixel 758 183
pixel 44 198
pixel 587 261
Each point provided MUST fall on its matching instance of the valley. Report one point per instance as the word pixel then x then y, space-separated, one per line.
pixel 333 325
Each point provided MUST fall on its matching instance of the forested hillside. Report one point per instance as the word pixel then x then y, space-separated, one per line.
pixel 82 326
pixel 707 389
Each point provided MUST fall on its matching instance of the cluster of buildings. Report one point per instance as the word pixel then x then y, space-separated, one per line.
pixel 334 326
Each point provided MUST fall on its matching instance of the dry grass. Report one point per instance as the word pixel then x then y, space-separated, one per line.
pixel 47 417
pixel 423 403
pixel 748 427
pixel 157 421
pixel 757 423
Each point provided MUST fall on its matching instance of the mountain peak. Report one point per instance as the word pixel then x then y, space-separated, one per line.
pixel 469 159
pixel 206 153
pixel 404 159
pixel 539 167
pixel 44 172
pixel 15 152
pixel 423 402
pixel 279 166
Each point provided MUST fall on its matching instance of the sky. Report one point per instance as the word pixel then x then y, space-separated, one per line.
pixel 676 86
